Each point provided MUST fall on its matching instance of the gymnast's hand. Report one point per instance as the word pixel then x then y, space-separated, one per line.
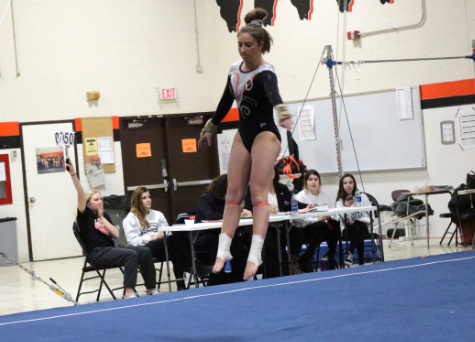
pixel 205 140
pixel 287 123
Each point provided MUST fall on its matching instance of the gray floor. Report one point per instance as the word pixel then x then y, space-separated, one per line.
pixel 19 293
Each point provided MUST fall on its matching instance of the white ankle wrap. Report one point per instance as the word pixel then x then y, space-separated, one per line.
pixel 224 247
pixel 255 254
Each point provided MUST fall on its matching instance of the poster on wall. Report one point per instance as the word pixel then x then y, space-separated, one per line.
pixel 95 173
pixel 306 122
pixel 91 147
pixel 143 150
pixel 50 159
pixel 467 129
pixel 188 145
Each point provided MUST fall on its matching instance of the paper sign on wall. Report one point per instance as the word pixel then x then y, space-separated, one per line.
pixel 307 123
pixel 467 129
pixel 64 138
pixel 143 150
pixel 188 145
pixel 91 147
pixel 106 149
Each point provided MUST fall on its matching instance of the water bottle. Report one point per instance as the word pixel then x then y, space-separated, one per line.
pixel 294 205
pixel 358 198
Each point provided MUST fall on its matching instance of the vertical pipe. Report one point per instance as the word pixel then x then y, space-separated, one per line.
pixel 199 68
pixel 14 41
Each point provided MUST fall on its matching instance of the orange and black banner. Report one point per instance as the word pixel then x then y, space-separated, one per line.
pixel 448 94
pixel 9 135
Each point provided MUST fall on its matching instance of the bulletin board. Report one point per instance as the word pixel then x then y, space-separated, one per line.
pixel 94 128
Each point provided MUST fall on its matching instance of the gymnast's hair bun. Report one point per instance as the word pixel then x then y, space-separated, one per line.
pixel 255 14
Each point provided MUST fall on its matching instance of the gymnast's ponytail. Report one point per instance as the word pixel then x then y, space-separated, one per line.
pixel 254 21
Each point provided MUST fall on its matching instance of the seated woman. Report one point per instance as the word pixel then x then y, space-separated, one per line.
pixel 211 207
pixel 141 229
pixel 314 230
pixel 357 223
pixel 279 201
pixel 96 230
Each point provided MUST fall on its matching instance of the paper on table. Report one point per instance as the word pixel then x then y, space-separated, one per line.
pixel 306 123
pixel 107 157
pixel 3 175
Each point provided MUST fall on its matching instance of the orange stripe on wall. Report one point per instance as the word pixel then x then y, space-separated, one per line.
pixel 448 89
pixel 78 124
pixel 233 115
pixel 9 129
pixel 115 122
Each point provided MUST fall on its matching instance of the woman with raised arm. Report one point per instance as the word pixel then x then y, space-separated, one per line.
pixel 96 231
pixel 252 82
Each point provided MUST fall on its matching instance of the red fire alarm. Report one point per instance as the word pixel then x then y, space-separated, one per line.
pixel 352 35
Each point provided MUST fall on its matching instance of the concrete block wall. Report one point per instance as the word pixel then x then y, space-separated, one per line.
pixel 126 48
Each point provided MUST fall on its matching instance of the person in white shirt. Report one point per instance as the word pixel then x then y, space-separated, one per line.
pixel 141 229
pixel 357 223
pixel 314 230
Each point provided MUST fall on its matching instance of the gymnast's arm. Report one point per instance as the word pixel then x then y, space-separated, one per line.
pixel 224 106
pixel 269 80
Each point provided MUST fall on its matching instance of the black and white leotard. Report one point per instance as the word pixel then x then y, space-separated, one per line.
pixel 256 94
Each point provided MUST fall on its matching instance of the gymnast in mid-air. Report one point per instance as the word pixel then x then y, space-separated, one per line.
pixel 252 82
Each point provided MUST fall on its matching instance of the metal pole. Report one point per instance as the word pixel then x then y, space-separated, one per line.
pixel 14 41
pixel 335 115
pixel 410 60
pixel 168 261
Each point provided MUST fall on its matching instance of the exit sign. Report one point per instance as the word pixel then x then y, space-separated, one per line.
pixel 168 93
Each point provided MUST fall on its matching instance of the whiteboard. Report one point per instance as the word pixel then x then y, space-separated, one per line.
pixel 382 141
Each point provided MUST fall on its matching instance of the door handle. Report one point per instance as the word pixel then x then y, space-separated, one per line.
pixel 198 182
pixel 164 168
pixel 175 187
pixel 151 186
pixel 32 200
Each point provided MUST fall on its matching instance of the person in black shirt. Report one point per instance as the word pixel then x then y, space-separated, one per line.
pixel 96 231
pixel 253 84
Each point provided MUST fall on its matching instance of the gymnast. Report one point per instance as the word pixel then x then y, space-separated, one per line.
pixel 252 82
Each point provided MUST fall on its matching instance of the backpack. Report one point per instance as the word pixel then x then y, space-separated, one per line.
pixel 459 202
pixel 415 205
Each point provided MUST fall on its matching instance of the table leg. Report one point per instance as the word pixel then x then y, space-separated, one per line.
pixel 167 259
pixel 427 219
pixel 373 250
pixel 193 264
pixel 288 227
pixel 279 250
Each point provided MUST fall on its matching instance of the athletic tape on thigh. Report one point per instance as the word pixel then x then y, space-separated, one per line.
pixel 259 204
pixel 232 203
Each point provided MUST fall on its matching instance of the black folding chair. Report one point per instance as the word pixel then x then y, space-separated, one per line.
pixel 90 266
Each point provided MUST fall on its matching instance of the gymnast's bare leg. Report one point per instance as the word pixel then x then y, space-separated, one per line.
pixel 264 152
pixel 239 168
